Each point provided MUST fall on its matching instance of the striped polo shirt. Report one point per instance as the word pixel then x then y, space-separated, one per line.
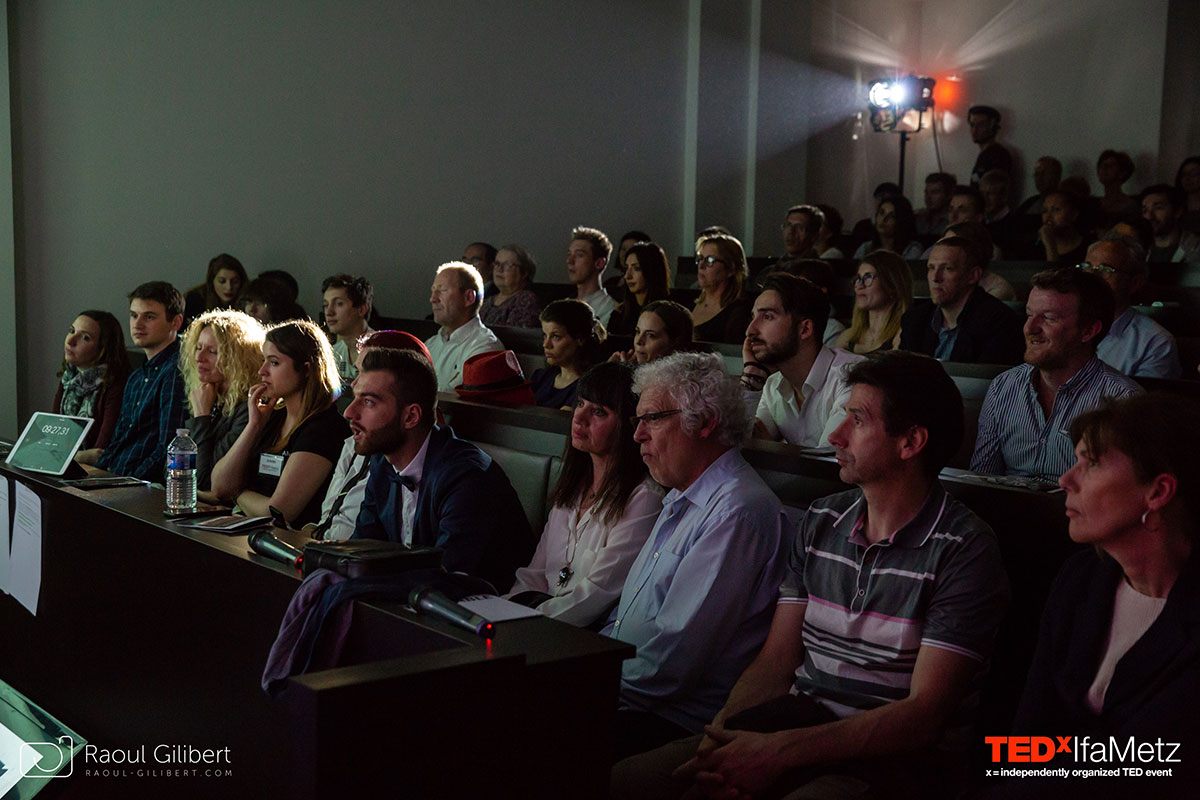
pixel 938 581
pixel 1016 438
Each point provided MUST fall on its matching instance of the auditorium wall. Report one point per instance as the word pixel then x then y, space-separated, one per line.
pixel 379 137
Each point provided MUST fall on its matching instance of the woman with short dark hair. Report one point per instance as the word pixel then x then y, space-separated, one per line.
pixel 571 340
pixel 603 507
pixel 1118 654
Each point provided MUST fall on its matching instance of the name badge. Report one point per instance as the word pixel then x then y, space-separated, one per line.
pixel 270 464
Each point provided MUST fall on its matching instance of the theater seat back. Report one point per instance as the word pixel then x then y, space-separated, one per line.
pixel 529 474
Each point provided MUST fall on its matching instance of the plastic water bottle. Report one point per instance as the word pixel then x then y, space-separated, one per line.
pixel 181 473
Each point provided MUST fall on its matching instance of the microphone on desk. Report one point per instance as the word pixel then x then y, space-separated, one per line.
pixel 433 602
pixel 264 543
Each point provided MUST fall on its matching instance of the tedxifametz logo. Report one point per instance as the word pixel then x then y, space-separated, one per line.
pixel 1081 757
pixel 48 759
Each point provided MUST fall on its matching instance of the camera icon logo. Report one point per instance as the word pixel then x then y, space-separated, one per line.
pixel 48 759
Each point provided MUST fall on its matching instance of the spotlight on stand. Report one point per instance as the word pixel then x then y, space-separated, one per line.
pixel 899 105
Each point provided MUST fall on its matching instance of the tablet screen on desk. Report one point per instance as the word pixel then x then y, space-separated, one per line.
pixel 48 443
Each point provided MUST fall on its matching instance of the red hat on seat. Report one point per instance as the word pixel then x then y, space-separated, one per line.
pixel 495 377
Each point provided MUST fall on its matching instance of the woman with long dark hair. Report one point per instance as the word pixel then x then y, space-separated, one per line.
pixel 224 282
pixel 895 229
pixel 285 454
pixel 92 379
pixel 647 278
pixel 603 506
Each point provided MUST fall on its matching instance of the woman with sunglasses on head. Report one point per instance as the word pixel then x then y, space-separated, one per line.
pixel 603 507
pixel 92 379
pixel 220 358
pixel 722 311
pixel 285 454
pixel 882 293
pixel 1118 652
pixel 647 278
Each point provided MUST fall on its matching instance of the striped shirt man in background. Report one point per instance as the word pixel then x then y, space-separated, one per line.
pixel 884 622
pixel 1026 415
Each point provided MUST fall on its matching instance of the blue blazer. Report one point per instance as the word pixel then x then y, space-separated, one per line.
pixel 465 505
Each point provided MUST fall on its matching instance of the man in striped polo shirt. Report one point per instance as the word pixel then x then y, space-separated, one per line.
pixel 885 620
pixel 1026 416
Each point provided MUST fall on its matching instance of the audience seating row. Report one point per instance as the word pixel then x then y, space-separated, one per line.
pixel 1031 526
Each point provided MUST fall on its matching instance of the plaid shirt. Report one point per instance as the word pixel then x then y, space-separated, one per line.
pixel 153 407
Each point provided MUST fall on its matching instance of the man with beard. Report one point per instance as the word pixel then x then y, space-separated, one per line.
pixel 1163 207
pixel 425 486
pixel 802 402
pixel 1028 409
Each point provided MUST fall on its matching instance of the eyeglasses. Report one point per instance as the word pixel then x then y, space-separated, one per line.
pixel 788 227
pixel 1099 269
pixel 864 280
pixel 708 261
pixel 654 416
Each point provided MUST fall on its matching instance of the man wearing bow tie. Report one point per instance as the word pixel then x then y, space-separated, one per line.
pixel 426 487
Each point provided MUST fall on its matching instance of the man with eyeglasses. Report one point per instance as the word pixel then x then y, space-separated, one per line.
pixel 801 230
pixel 883 623
pixel 804 399
pixel 960 321
pixel 1026 416
pixel 698 599
pixel 482 256
pixel 1135 345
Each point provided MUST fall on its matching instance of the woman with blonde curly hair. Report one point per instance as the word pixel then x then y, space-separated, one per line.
pixel 220 357
pixel 284 456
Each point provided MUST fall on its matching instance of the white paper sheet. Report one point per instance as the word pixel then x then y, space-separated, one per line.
pixel 497 609
pixel 5 540
pixel 16 759
pixel 25 563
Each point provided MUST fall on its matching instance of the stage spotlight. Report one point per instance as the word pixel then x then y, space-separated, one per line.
pixel 899 105
pixel 899 96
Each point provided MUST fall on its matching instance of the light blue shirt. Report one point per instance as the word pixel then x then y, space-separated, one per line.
pixel 1139 347
pixel 700 595
pixel 1016 438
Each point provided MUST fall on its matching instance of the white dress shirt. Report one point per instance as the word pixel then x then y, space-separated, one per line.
pixel 602 304
pixel 825 394
pixel 450 350
pixel 348 465
pixel 408 511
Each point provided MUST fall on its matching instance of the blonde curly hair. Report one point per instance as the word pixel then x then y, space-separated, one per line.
pixel 239 355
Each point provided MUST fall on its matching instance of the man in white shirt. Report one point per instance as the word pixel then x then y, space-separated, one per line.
pixel 804 400
pixel 456 297
pixel 586 259
pixel 1135 344
pixel 346 304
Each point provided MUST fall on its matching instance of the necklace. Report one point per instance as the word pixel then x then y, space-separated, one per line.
pixel 566 573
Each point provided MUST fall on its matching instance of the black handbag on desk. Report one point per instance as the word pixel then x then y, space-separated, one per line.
pixel 367 558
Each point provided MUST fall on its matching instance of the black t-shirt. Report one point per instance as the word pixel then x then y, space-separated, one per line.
pixel 323 433
pixel 994 156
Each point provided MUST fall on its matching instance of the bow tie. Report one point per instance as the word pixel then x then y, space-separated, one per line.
pixel 407 481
